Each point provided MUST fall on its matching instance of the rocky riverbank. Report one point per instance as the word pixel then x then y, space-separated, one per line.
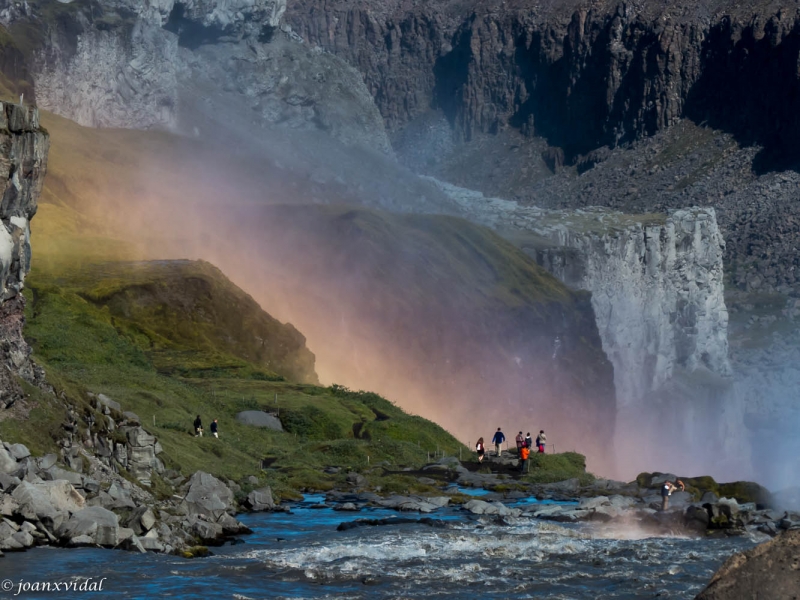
pixel 84 497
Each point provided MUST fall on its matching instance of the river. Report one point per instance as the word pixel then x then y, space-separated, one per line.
pixel 454 555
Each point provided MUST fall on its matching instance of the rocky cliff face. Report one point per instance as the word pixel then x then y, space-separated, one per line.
pixel 23 161
pixel 181 65
pixel 657 293
pixel 582 74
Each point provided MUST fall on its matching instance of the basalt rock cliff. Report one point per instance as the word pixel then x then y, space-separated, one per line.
pixel 23 161
pixel 581 74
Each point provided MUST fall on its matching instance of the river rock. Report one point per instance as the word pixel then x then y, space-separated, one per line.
pixel 48 501
pixel 260 499
pixel 771 569
pixel 479 507
pixel 259 418
pixel 696 518
pixel 99 524
pixel 207 495
pixel 590 503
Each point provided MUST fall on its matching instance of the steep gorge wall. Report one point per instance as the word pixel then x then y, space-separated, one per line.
pixel 182 65
pixel 657 293
pixel 581 74
pixel 23 162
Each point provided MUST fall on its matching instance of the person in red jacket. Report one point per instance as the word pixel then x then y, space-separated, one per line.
pixel 524 455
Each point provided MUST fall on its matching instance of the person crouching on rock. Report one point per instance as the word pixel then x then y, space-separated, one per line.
pixel 198 427
pixel 666 492
pixel 524 454
pixel 214 428
pixel 480 449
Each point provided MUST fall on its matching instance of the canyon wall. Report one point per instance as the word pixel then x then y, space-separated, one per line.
pixel 23 161
pixel 657 293
pixel 181 65
pixel 581 74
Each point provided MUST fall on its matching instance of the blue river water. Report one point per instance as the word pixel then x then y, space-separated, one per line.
pixel 302 555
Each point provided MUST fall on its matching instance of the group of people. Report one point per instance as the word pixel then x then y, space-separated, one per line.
pixel 524 445
pixel 198 428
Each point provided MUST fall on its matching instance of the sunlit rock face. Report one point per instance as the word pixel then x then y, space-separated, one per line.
pixel 657 293
pixel 23 160
pixel 188 66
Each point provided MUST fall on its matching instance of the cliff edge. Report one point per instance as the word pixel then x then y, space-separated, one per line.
pixel 23 162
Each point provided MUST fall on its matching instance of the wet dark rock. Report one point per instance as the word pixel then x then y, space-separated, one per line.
pixel 770 570
pixel 391 521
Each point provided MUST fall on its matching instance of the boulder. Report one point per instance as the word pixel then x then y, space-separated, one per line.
pixel 105 401
pixel 709 498
pixel 55 473
pixel 120 497
pixel 8 482
pixel 8 464
pixel 347 506
pixel 141 520
pixel 260 499
pixel 589 503
pixel 658 478
pixel 356 479
pixel 769 569
pixel 138 437
pixel 479 507
pixel 8 505
pixel 259 418
pixel 132 417
pixel 696 518
pixel 19 451
pixel 91 486
pixel 47 461
pixel 49 501
pixel 207 495
pixel 95 522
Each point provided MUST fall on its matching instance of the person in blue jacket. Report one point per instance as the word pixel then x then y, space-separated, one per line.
pixel 498 439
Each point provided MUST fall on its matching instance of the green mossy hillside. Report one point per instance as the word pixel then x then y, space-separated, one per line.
pixel 87 343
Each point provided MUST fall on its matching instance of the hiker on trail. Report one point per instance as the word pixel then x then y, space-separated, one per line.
pixel 520 441
pixel 214 428
pixel 524 455
pixel 480 449
pixel 198 427
pixel 498 440
pixel 666 491
pixel 540 441
pixel 528 440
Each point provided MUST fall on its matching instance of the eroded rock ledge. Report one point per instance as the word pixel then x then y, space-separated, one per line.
pixel 23 162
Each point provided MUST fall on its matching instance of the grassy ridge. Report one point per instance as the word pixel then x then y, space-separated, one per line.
pixel 84 347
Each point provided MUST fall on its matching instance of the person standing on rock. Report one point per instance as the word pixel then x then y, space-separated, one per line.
pixel 498 440
pixel 666 492
pixel 520 441
pixel 540 441
pixel 214 428
pixel 198 427
pixel 528 441
pixel 480 449
pixel 524 455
